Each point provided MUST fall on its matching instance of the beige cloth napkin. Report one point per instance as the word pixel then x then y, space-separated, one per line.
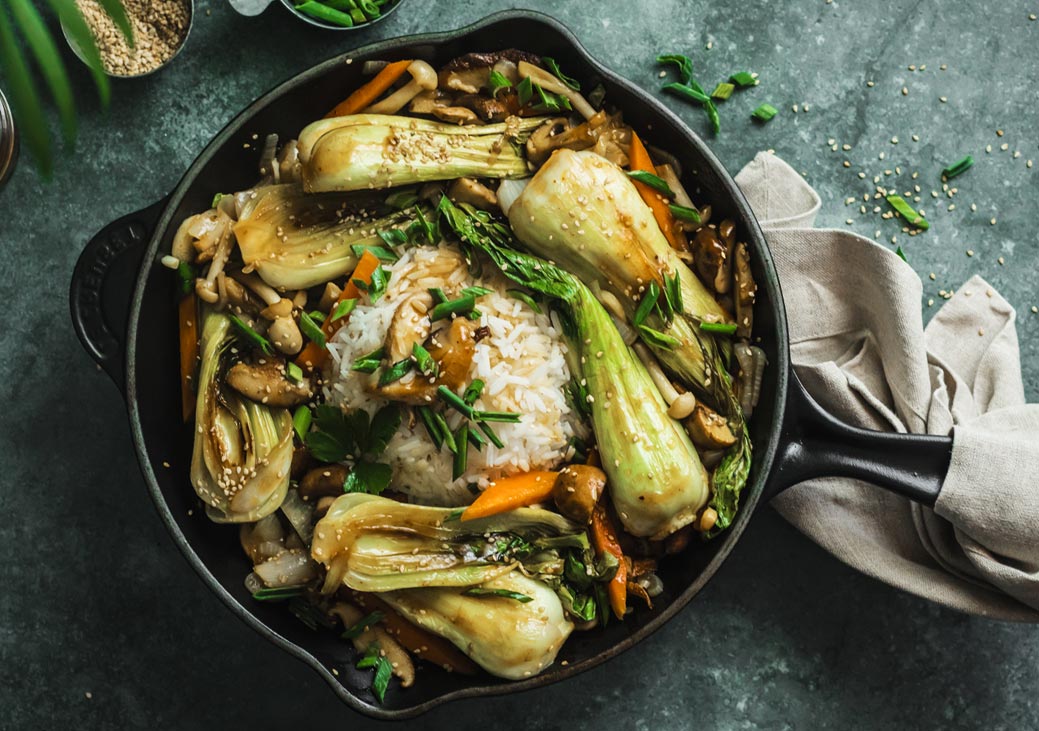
pixel 859 345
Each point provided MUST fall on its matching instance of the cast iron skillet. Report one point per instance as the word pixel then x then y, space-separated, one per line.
pixel 123 309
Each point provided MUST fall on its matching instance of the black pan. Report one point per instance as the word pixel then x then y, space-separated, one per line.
pixel 123 309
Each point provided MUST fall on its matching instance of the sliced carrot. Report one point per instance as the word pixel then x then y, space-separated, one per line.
pixel 416 640
pixel 313 356
pixel 367 94
pixel 187 318
pixel 604 538
pixel 638 159
pixel 509 493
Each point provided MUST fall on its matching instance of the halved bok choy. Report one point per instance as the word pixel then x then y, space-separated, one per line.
pixel 364 151
pixel 243 450
pixel 656 480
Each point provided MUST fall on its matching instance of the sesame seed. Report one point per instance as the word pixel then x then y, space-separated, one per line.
pixel 930 303
pixel 992 222
pixel 943 99
pixel 870 84
pixel 916 138
pixel 931 275
pixel 999 133
pixel 847 164
pixel 970 252
pixel 943 67
pixel 1001 261
pixel 905 91
pixel 1035 310
pixel 1005 146
pixel 849 222
pixel 980 331
pixel 894 140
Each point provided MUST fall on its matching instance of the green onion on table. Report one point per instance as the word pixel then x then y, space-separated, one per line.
pixel 344 13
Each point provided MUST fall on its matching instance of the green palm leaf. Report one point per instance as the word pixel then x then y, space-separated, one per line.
pixel 117 13
pixel 26 101
pixel 49 61
pixel 79 32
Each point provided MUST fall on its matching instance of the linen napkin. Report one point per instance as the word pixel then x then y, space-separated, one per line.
pixel 858 344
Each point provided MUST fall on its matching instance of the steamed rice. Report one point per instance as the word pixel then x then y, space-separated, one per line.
pixel 522 363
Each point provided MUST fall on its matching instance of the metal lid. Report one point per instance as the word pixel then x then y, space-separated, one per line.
pixel 8 141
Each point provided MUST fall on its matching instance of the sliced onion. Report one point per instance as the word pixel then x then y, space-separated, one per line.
pixel 288 568
pixel 509 191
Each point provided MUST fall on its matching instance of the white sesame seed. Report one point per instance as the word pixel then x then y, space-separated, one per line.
pixel 970 252
pixel 916 138
pixel 905 91
pixel 1001 261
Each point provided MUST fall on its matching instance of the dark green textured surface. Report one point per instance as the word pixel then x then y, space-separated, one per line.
pixel 96 598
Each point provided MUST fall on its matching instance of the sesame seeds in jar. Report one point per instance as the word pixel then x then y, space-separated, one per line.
pixel 160 28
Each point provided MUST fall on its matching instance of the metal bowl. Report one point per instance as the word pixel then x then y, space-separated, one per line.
pixel 328 26
pixel 8 141
pixel 183 41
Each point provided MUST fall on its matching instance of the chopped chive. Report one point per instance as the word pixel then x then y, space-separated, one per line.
pixel 438 295
pixel 396 371
pixel 502 416
pixel 186 278
pixel 673 292
pixel 712 115
pixel 722 328
pixel 908 212
pixel 684 213
pixel 657 338
pixel 311 329
pixel 380 251
pixel 551 65
pixel 476 291
pixel 656 183
pixel 960 166
pixel 369 362
pixel 462 305
pixel 317 316
pixel 445 432
pixel 301 419
pixel 476 440
pixel 525 298
pixel 364 625
pixel 426 414
pixel 277 594
pixel 294 372
pixel 475 314
pixel 687 91
pixel 497 82
pixel 216 199
pixel 504 593
pixel 646 305
pixel 743 79
pixel 258 340
pixel 427 366
pixel 461 437
pixel 901 254
pixel 491 434
pixel 402 199
pixel 723 91
pixel 764 112
pixel 683 63
pixel 455 401
pixel 344 308
pixel 392 236
pixel 472 391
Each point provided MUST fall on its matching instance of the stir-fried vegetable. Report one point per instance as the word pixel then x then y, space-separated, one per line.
pixel 187 319
pixel 509 493
pixel 639 160
pixel 243 449
pixel 376 151
pixel 371 91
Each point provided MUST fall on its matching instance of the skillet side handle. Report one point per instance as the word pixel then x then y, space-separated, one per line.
pixel 817 444
pixel 103 284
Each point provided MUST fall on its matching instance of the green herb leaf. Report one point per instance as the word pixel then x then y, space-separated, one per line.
pixel 344 308
pixel 396 371
pixel 402 199
pixel 656 183
pixel 743 79
pixel 722 328
pixel 370 362
pixel 551 65
pixel 550 102
pixel 392 237
pixel 518 294
pixel 368 477
pixel 657 338
pixel 277 594
pixel 723 91
pixel 380 251
pixel 364 625
pixel 377 287
pixel 645 307
pixel 497 83
pixel 525 91
pixel 252 336
pixel 383 671
pixel 461 306
pixel 185 278
pixel 335 435
pixel 301 419
pixel 424 361
pixel 504 593
pixel 683 63
pixel 311 329
pixel 294 372
pixel 384 425
pixel 908 212
pixel 901 254
pixel 764 112
pixel 960 166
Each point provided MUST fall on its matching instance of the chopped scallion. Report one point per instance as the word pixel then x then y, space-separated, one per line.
pixel 186 278
pixel 445 432
pixel 402 199
pixel 393 237
pixel 363 626
pixel 656 183
pixel 722 328
pixel 426 414
pixel 455 401
pixel 908 212
pixel 344 308
pixel 743 79
pixel 369 363
pixel 472 391
pixel 476 291
pixel 504 593
pixel 491 434
pixel 294 372
pixel 649 300
pixel 438 295
pixel 461 306
pixel 502 416
pixel 311 329
pixel 497 83
pixel 684 213
pixel 396 371
pixel 380 251
pixel 901 254
pixel 723 91
pixel 427 366
pixel 960 166
pixel 551 65
pixel 657 338
pixel 301 419
pixel 461 437
pixel 252 336
pixel 277 594
pixel 764 112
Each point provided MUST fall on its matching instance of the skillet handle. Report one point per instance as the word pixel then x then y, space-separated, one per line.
pixel 103 284
pixel 817 444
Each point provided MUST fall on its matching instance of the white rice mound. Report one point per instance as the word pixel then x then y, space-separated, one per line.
pixel 522 363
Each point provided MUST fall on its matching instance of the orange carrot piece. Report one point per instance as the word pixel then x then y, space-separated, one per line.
pixel 313 356
pixel 187 318
pixel 416 640
pixel 638 159
pixel 509 493
pixel 367 94
pixel 604 538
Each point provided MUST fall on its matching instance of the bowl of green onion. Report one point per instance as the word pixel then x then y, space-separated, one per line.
pixel 341 14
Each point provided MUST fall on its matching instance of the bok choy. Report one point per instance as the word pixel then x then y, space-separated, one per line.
pixel 365 151
pixel 243 450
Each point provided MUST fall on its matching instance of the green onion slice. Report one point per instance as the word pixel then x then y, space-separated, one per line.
pixel 186 278
pixel 461 306
pixel 461 437
pixel 311 329
pixel 380 251
pixel 656 183
pixel 369 362
pixel 364 625
pixel 294 372
pixel 497 83
pixel 764 112
pixel 277 594
pixel 472 391
pixel 504 593
pixel 393 237
pixel 455 401
pixel 649 300
pixel 908 212
pixel 743 79
pixel 445 432
pixel 723 91
pixel 396 371
pixel 491 434
pixel 684 213
pixel 344 308
pixel 251 335
pixel 960 166
pixel 425 362
pixel 301 419
pixel 722 328
pixel 657 338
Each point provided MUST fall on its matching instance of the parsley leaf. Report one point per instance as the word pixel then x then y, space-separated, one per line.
pixel 369 477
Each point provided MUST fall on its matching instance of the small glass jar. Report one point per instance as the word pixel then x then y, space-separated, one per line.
pixel 8 141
